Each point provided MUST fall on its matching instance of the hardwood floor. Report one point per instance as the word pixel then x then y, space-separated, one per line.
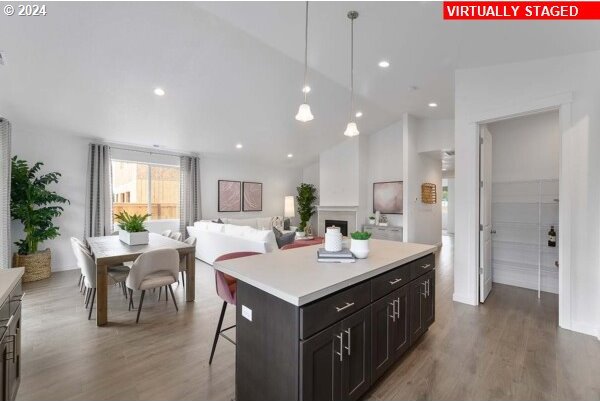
pixel 508 348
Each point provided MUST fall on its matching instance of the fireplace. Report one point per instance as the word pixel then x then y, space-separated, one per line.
pixel 342 224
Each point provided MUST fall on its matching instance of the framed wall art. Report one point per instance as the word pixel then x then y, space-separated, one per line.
pixel 387 197
pixel 229 196
pixel 252 196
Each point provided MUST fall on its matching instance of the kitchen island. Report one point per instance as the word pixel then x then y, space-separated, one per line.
pixel 327 331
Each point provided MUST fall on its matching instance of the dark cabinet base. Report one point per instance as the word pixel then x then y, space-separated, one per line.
pixel 280 356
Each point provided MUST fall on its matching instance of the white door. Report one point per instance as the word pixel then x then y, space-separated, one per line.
pixel 485 214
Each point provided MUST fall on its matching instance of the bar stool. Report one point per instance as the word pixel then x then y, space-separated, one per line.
pixel 226 287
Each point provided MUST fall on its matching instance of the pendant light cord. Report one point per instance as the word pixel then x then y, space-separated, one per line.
pixel 352 69
pixel 305 52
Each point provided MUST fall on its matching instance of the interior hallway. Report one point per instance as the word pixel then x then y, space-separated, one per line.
pixel 508 348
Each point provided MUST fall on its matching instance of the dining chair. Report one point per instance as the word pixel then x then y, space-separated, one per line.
pixel 153 269
pixel 74 243
pixel 118 275
pixel 166 233
pixel 182 259
pixel 176 235
pixel 226 287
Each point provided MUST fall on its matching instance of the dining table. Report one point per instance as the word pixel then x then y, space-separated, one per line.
pixel 110 251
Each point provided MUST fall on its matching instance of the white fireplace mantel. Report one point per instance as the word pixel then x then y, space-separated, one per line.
pixel 347 213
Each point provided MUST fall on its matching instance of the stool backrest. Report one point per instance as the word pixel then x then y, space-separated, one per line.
pixel 226 284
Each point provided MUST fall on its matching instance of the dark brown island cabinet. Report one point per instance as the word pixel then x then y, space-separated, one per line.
pixel 336 347
pixel 10 343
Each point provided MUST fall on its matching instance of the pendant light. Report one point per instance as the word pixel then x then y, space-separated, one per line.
pixel 351 128
pixel 304 113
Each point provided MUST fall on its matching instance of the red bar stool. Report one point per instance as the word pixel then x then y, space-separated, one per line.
pixel 226 289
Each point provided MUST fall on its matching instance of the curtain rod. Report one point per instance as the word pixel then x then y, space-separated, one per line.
pixel 158 151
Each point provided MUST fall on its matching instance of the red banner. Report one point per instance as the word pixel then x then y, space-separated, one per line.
pixel 521 10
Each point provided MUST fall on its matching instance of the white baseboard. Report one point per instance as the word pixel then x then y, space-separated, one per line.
pixel 586 328
pixel 464 299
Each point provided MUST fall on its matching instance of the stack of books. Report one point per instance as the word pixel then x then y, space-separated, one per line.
pixel 343 256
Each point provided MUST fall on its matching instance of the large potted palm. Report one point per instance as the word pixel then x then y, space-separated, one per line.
pixel 307 195
pixel 35 206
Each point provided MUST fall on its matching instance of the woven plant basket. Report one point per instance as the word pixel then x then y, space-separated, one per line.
pixel 37 265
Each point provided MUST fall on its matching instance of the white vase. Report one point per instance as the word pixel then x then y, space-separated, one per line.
pixel 372 222
pixel 359 248
pixel 140 238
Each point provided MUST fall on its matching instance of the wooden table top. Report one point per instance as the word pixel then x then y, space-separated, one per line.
pixel 110 248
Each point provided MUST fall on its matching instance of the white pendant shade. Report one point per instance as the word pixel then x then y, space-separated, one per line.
pixel 304 113
pixel 351 129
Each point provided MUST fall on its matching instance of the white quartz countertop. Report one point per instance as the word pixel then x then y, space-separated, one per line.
pixel 296 277
pixel 8 280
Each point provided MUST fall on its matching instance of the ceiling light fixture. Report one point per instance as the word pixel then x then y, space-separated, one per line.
pixel 290 155
pixel 351 128
pixel 239 146
pixel 384 64
pixel 159 91
pixel 432 104
pixel 304 113
pixel 358 114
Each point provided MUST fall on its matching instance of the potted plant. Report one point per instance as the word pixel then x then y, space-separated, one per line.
pixel 359 244
pixel 372 220
pixel 307 195
pixel 35 206
pixel 132 228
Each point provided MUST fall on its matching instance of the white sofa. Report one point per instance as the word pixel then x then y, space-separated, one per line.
pixel 214 239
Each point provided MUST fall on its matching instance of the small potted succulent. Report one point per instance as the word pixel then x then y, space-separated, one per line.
pixel 359 244
pixel 132 228
pixel 372 220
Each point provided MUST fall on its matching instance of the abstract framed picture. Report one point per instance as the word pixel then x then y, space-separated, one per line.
pixel 229 196
pixel 252 196
pixel 387 197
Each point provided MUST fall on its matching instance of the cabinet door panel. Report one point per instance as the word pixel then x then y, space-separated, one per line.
pixel 381 340
pixel 401 327
pixel 321 366
pixel 417 288
pixel 429 301
pixel 356 364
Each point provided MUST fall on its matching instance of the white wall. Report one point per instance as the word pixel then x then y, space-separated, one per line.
pixel 435 134
pixel 339 174
pixel 525 148
pixel 277 183
pixel 485 93
pixel 67 155
pixel 451 206
pixel 384 164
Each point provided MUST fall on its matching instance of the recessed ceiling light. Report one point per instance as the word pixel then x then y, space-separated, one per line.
pixel 384 64
pixel 290 155
pixel 239 146
pixel 432 104
pixel 306 89
pixel 159 91
pixel 358 114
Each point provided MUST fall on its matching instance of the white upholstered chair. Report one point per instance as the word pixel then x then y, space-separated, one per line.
pixel 182 259
pixel 176 235
pixel 118 274
pixel 166 233
pixel 153 269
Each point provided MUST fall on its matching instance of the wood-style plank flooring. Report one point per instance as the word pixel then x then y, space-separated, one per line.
pixel 508 348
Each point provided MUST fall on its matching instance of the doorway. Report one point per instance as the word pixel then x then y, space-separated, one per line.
pixel 519 203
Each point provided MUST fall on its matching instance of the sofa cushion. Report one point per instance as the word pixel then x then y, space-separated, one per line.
pixel 286 224
pixel 214 227
pixel 264 223
pixel 283 239
pixel 243 222
pixel 237 231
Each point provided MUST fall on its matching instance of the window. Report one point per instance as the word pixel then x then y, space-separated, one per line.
pixel 146 188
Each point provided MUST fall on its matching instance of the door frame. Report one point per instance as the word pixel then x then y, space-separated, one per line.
pixel 562 103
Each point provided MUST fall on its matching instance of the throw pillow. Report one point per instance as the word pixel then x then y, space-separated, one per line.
pixel 218 221
pixel 283 239
pixel 286 224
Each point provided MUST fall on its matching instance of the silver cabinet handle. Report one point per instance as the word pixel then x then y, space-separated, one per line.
pixel 424 284
pixel 426 266
pixel 397 308
pixel 349 347
pixel 341 353
pixel 396 281
pixel 393 315
pixel 348 304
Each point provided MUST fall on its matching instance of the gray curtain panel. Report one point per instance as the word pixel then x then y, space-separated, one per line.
pixel 5 163
pixel 190 206
pixel 98 193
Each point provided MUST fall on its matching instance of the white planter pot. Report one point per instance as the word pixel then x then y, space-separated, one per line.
pixel 140 238
pixel 359 248
pixel 300 234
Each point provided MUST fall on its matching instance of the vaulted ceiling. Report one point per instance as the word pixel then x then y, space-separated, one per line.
pixel 232 71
